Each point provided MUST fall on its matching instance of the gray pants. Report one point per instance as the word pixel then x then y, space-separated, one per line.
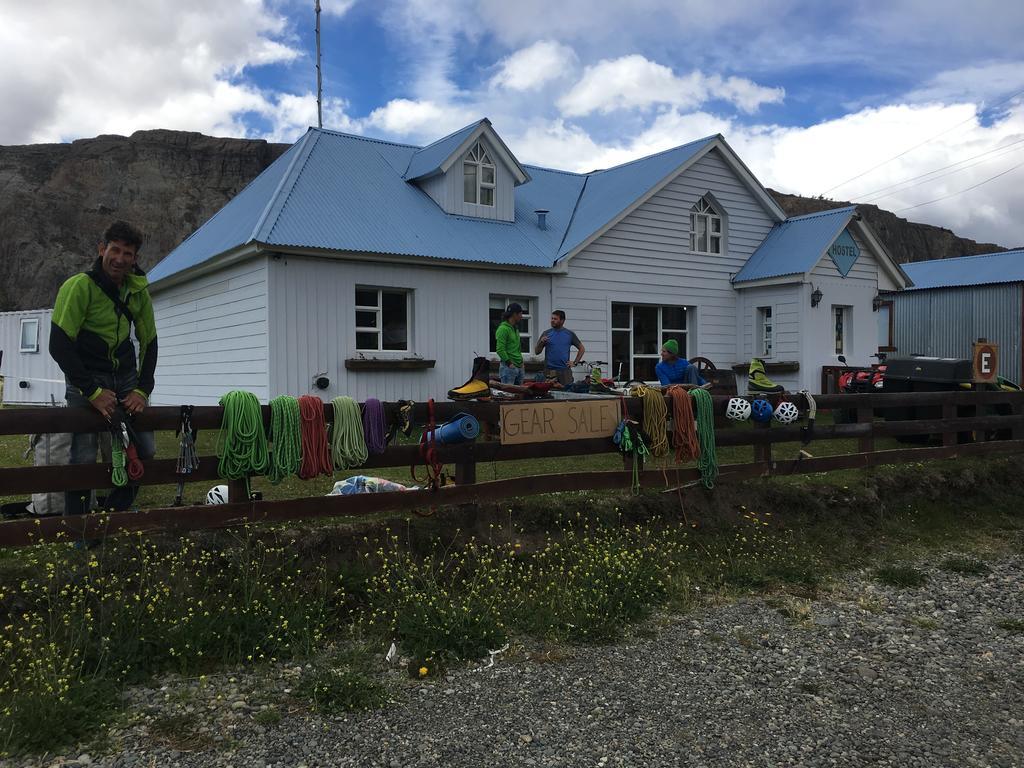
pixel 84 446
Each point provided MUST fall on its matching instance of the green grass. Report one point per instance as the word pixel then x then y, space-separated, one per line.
pixel 967 566
pixel 902 576
pixel 1011 625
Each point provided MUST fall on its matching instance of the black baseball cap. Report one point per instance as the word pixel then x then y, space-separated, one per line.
pixel 513 308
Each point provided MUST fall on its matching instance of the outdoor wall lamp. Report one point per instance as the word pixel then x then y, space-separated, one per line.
pixel 876 303
pixel 816 297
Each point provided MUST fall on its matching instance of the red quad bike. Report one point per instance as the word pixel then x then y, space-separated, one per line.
pixel 859 381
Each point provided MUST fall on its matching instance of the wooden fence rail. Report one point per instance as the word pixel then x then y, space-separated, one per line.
pixel 969 423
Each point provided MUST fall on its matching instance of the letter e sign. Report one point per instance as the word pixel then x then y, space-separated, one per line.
pixel 986 362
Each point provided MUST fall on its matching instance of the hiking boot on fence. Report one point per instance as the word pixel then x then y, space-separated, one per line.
pixel 476 387
pixel 758 381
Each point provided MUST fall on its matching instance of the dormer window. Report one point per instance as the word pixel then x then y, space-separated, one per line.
pixel 705 228
pixel 478 177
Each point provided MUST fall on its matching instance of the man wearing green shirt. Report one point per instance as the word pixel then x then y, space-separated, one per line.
pixel 508 346
pixel 90 339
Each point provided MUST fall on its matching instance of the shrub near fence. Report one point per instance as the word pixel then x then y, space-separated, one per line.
pixel 962 413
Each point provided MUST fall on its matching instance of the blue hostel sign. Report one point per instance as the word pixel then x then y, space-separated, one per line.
pixel 844 252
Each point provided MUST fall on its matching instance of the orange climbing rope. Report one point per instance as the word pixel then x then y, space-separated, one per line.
pixel 316 452
pixel 684 425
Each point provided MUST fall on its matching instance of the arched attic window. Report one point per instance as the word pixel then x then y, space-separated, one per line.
pixel 706 227
pixel 478 177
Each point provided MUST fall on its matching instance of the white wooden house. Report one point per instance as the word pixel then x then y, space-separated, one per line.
pixel 383 268
pixel 30 375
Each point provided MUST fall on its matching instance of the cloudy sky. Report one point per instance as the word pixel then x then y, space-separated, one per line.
pixel 915 105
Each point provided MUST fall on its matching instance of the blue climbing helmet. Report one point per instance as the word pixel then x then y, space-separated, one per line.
pixel 761 410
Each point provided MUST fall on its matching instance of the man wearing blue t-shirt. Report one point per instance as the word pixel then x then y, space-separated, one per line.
pixel 674 369
pixel 556 342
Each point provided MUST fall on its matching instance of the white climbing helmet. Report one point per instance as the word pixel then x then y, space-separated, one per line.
pixel 738 409
pixel 786 412
pixel 217 495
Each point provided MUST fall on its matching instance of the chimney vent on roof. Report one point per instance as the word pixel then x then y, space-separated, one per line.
pixel 542 218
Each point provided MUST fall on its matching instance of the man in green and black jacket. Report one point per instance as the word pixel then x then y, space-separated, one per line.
pixel 90 339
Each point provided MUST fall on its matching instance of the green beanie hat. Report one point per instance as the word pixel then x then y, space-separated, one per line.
pixel 671 346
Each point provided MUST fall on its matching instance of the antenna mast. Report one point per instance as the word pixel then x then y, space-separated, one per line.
pixel 319 80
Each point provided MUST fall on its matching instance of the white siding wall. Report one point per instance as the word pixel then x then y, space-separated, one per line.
pixel 646 259
pixel 212 333
pixel 446 191
pixel 37 369
pixel 786 313
pixel 312 324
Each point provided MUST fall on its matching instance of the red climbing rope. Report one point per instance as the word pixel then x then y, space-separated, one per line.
pixel 428 452
pixel 316 452
pixel 684 425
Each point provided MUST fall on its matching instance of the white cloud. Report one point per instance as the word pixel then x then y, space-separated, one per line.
pixel 420 120
pixel 533 66
pixel 81 69
pixel 989 82
pixel 336 8
pixel 635 82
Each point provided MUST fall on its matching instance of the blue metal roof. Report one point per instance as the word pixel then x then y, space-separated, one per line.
pixel 794 246
pixel 1004 267
pixel 338 192
pixel 428 161
pixel 608 193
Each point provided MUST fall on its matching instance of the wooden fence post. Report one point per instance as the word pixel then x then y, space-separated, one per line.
pixel 949 435
pixel 238 490
pixel 866 444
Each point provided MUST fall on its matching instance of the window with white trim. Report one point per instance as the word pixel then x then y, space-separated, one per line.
pixel 478 177
pixel 706 229
pixel 29 335
pixel 638 331
pixel 496 308
pixel 382 319
pixel 765 332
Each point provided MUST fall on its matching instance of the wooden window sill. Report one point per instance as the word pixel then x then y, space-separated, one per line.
pixel 398 364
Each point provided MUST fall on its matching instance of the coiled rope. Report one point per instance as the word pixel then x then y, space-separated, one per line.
pixel 316 451
pixel 348 446
pixel 655 424
pixel 707 463
pixel 684 425
pixel 241 442
pixel 286 434
pixel 118 475
pixel 375 426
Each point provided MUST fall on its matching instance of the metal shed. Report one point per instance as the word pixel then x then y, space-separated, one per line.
pixel 29 374
pixel 954 302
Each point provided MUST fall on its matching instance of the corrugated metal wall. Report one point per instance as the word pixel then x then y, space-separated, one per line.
pixel 944 322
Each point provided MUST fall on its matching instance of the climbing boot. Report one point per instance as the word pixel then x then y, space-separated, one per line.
pixel 476 387
pixel 758 381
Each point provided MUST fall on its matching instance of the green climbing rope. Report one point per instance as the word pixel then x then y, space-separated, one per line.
pixel 707 463
pixel 241 442
pixel 118 473
pixel 348 445
pixel 286 433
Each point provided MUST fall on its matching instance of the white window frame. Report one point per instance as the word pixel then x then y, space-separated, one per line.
pixel 479 159
pixel 705 212
pixel 662 330
pixel 765 330
pixel 528 314
pixel 33 347
pixel 379 310
pixel 841 343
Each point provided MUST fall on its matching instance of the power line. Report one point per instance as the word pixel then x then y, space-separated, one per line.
pixel 874 194
pixel 968 189
pixel 921 144
pixel 940 175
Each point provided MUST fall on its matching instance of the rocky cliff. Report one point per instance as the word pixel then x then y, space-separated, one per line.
pixel 56 199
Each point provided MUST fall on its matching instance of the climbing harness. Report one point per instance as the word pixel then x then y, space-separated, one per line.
pixel 684 425
pixel 242 441
pixel 374 426
pixel 316 451
pixel 707 462
pixel 655 419
pixel 188 457
pixel 630 441
pixel 401 421
pixel 348 446
pixel 286 436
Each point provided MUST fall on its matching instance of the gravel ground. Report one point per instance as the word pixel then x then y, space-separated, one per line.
pixel 864 675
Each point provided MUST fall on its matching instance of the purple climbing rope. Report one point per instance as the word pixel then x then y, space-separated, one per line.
pixel 374 426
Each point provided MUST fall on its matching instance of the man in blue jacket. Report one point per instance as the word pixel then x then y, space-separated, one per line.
pixel 674 369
